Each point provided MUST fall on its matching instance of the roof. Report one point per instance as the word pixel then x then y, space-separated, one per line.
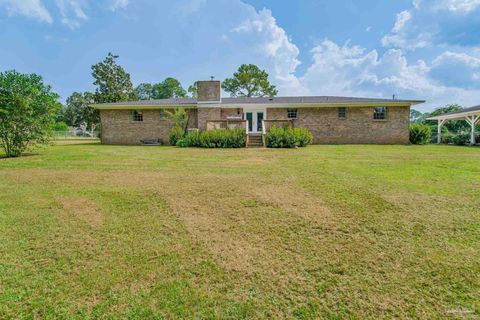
pixel 458 114
pixel 324 100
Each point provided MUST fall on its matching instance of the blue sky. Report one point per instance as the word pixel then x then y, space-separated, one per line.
pixel 417 49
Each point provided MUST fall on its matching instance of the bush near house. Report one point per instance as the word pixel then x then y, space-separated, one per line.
pixel 420 134
pixel 287 137
pixel 175 134
pixel 221 138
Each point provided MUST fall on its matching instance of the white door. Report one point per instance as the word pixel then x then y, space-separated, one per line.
pixel 255 119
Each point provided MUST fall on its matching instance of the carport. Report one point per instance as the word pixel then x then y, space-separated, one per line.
pixel 471 115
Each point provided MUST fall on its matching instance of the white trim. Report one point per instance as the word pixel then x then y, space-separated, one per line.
pixel 459 116
pixel 255 112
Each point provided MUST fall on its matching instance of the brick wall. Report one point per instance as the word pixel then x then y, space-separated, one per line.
pixel 118 128
pixel 358 128
pixel 215 113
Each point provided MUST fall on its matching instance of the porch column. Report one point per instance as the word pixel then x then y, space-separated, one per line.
pixel 439 134
pixel 472 120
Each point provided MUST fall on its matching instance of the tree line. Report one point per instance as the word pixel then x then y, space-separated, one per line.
pixel 113 84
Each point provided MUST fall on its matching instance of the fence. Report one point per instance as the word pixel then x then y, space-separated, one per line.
pixel 76 135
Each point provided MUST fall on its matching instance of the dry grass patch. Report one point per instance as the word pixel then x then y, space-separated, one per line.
pixel 82 209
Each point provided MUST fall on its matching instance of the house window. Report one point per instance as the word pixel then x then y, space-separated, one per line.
pixel 342 113
pixel 380 113
pixel 292 113
pixel 137 115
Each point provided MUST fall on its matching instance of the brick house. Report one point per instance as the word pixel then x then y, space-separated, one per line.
pixel 332 120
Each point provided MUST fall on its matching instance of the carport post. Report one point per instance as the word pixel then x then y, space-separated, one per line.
pixel 439 135
pixel 472 120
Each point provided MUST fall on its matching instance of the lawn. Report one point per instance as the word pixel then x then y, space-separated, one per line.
pixel 92 231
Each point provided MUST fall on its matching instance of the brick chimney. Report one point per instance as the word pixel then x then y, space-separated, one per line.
pixel 209 91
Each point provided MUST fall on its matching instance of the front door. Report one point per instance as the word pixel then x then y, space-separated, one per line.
pixel 254 119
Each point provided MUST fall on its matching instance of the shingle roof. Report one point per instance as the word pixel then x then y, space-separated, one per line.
pixel 308 99
pixel 460 114
pixel 264 100
pixel 475 108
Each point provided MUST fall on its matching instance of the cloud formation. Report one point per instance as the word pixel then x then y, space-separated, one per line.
pixel 29 8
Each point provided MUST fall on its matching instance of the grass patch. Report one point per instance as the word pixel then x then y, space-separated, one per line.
pixel 157 232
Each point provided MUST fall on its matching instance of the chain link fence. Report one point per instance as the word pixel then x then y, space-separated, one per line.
pixel 76 135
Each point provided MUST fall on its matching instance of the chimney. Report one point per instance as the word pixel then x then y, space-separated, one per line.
pixel 209 91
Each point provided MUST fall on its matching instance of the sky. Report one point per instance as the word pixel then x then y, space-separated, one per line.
pixel 413 49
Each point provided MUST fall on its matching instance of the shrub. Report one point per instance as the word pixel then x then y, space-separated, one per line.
pixel 447 137
pixel 461 139
pixel 221 138
pixel 175 134
pixel 287 137
pixel 60 126
pixel 303 137
pixel 420 133
pixel 182 143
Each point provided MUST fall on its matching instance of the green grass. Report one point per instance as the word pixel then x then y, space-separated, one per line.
pixel 92 231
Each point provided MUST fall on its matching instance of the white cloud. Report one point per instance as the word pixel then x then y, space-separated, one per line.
pixel 118 4
pixel 458 6
pixel 29 8
pixel 402 38
pixel 352 70
pixel 72 13
pixel 272 42
pixel 402 18
pixel 189 7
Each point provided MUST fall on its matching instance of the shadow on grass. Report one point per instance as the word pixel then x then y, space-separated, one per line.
pixel 4 157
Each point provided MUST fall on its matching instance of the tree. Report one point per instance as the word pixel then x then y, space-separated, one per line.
pixel 192 89
pixel 112 81
pixel 168 88
pixel 78 111
pixel 179 117
pixel 416 116
pixel 144 91
pixel 28 110
pixel 249 81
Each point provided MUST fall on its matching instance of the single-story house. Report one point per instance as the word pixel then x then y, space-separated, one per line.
pixel 332 120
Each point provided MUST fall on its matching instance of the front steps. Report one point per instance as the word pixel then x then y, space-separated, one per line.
pixel 255 141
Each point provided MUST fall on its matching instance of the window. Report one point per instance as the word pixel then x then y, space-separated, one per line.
pixel 380 113
pixel 137 116
pixel 292 113
pixel 342 113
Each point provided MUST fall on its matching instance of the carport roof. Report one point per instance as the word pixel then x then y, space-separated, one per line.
pixel 461 114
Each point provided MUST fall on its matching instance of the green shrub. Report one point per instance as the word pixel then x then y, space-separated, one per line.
pixel 175 134
pixel 60 126
pixel 220 138
pixel 420 133
pixel 303 137
pixel 182 143
pixel 461 139
pixel 287 137
pixel 447 137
